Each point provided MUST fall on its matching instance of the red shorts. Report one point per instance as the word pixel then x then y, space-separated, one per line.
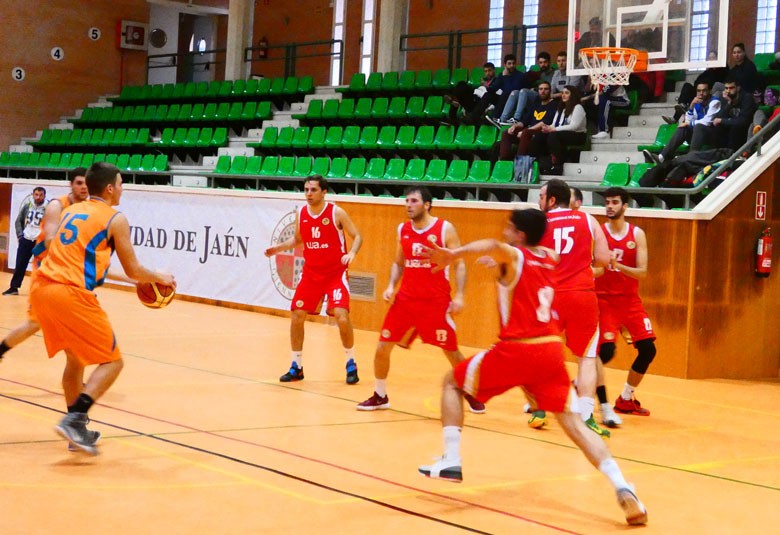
pixel 578 315
pixel 626 312
pixel 313 289
pixel 407 319
pixel 538 368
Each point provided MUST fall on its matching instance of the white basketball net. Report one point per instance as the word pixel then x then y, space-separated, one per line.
pixel 606 70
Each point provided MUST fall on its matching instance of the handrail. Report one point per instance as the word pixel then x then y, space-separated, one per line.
pixel 177 58
pixel 291 54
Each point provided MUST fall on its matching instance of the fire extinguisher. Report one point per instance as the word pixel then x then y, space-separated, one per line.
pixel 764 253
pixel 262 48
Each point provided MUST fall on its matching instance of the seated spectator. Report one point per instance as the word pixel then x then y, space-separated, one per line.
pixel 521 99
pixel 560 79
pixel 593 37
pixel 760 118
pixel 568 128
pixel 697 128
pixel 529 125
pixel 736 112
pixel 743 70
pixel 468 105
pixel 714 77
pixel 510 80
pixel 611 96
pixel 545 72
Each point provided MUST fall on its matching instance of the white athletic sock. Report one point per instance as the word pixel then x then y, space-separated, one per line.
pixel 297 356
pixel 586 407
pixel 381 387
pixel 628 392
pixel 350 352
pixel 610 469
pixel 661 158
pixel 451 442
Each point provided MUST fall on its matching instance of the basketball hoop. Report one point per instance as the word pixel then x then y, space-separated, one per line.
pixel 612 66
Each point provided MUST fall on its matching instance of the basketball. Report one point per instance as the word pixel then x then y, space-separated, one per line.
pixel 154 295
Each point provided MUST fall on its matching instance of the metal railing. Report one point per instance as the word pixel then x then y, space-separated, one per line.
pixel 290 53
pixel 208 59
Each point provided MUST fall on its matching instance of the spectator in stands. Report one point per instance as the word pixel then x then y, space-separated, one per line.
pixel 575 203
pixel 560 79
pixel 593 37
pixel 467 104
pixel 714 77
pixel 697 128
pixel 545 72
pixel 529 125
pixel 760 118
pixel 737 108
pixel 521 100
pixel 510 80
pixel 611 96
pixel 568 128
pixel 743 71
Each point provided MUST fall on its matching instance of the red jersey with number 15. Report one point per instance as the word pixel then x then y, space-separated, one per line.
pixel 569 234
pixel 530 313
pixel 613 282
pixel 418 281
pixel 323 241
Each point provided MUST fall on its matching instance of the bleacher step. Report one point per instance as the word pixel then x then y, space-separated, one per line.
pixel 584 172
pixel 638 134
pixel 618 145
pixel 235 150
pixel 646 120
pixel 601 157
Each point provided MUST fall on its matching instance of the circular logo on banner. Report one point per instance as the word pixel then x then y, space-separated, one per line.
pixel 631 245
pixel 287 266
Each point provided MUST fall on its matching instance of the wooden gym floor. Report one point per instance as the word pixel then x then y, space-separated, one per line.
pixel 200 437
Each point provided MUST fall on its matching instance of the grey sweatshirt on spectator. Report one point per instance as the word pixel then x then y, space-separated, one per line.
pixel 576 122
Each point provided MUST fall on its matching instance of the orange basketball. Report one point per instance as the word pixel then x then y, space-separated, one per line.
pixel 154 295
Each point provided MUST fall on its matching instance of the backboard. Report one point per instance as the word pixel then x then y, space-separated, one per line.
pixel 676 34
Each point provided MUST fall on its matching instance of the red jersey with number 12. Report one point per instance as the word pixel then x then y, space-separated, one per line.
pixel 613 282
pixel 419 282
pixel 532 292
pixel 569 233
pixel 323 241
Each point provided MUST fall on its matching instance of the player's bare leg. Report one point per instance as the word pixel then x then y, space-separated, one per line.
pixel 599 456
pixel 379 399
pixel 297 322
pixel 348 342
pixel 587 375
pixel 627 402
pixel 21 333
pixel 448 466
pixel 455 357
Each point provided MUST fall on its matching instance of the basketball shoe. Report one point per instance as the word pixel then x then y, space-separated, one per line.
pixel 352 376
pixel 593 426
pixel 442 468
pixel 608 416
pixel 477 407
pixel 630 406
pixel 295 373
pixel 95 437
pixel 537 420
pixel 636 514
pixel 73 427
pixel 374 403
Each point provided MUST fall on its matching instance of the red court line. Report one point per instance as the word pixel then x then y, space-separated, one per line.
pixel 313 460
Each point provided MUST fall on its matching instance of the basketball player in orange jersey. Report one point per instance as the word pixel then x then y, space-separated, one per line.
pixel 49 223
pixel 617 288
pixel 528 354
pixel 424 304
pixel 320 227
pixel 579 240
pixel 62 297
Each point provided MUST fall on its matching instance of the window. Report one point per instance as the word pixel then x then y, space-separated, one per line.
pixel 367 50
pixel 339 14
pixel 766 25
pixel 700 21
pixel 496 38
pixel 530 19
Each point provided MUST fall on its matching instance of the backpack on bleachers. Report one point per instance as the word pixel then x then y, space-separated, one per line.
pixel 524 169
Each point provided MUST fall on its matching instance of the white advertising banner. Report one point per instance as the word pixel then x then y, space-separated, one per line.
pixel 213 244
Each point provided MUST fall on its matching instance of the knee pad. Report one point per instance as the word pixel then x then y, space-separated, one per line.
pixel 606 352
pixel 645 355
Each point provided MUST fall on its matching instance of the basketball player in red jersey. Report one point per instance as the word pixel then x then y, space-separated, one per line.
pixel 49 224
pixel 577 237
pixel 320 228
pixel 617 288
pixel 423 304
pixel 529 354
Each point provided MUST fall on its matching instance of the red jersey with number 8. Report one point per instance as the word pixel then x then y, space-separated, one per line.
pixel 569 233
pixel 323 242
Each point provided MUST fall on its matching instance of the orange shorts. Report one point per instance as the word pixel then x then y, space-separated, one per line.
pixel 72 320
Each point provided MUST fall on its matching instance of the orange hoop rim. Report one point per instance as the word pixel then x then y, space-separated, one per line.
pixel 617 53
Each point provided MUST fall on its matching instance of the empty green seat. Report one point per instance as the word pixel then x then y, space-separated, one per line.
pixel 346 109
pixel 390 82
pixel 220 138
pixel 54 159
pixel 191 139
pixel 662 138
pixel 362 110
pixel 374 82
pixel 406 81
pixel 321 166
pixel 264 111
pixel 270 165
pixel 223 164
pixel 351 138
pixel 150 113
pixel 369 136
pixel 303 166
pixel 397 108
pixel 253 165
pixel 242 111
pixel 277 86
pixel 316 138
pixel 459 75
pixel 616 174
pixel 134 164
pixel 87 160
pixel 356 168
pixel 423 81
pixel 387 136
pixel 286 166
pixel 205 136
pixel 424 140
pixel 178 90
pixel 239 86
pixel 338 168
pixel 124 160
pixel 147 162
pixel 479 171
pixel 201 89
pixel 305 85
pixel 223 111
pixel 238 166
pixel 375 168
pixel 395 169
pixel 138 113
pixel 436 171
pixel 330 110
pixel 209 112
pixel 290 86
pixel 314 111
pixel 465 137
pixel 300 138
pixel 270 135
pixel 263 87
pixel 441 79
pixel 173 112
pixel 379 110
pixel 43 160
pixel 405 138
pixel 127 114
pixel 65 160
pixel 486 137
pixel 357 84
pixel 333 138
pixel 433 107
pixel 503 172
pixel 184 112
pixel 161 162
pixel 415 170
pixel 445 136
pixel 286 134
pixel 225 88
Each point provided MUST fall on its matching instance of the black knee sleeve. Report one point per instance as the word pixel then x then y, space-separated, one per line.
pixel 645 355
pixel 606 352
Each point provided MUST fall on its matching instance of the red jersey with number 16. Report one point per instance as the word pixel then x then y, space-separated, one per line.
pixel 323 242
pixel 419 282
pixel 613 282
pixel 532 292
pixel 569 233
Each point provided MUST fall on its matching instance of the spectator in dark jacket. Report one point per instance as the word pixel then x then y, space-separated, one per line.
pixel 711 76
pixel 743 71
pixel 736 113
pixel 510 80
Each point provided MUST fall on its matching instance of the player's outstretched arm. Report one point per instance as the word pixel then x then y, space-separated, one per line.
pixel 640 271
pixel 352 231
pixel 501 252
pixel 601 252
pixel 51 221
pixel 119 232
pixel 288 244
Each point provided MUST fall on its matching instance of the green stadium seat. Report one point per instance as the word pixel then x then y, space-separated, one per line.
pixel 415 170
pixel 173 112
pixel 54 159
pixel 662 138
pixel 65 160
pixel 375 168
pixel 356 168
pixel 107 113
pixel 270 135
pixel 290 87
pixel 313 112
pixel 374 82
pixel 338 168
pixel 406 81
pixel 395 169
pixel 161 162
pixel 321 166
pixel 286 134
pixel 178 91
pixel 156 92
pixel 441 79
pixel 97 137
pixel 270 165
pixel 479 171
pixel 397 108
pixel 160 113
pixel 242 111
pixel 185 112
pixel 424 140
pixel 346 109
pixel 192 137
pixel 43 160
pixel 142 138
pixel 362 110
pixel 238 88
pixel 334 136
pixel 253 165
pixel 316 138
pixel 423 81
pixel 503 172
pixel 277 86
pixel 616 174
pixel 46 137
pixel 201 89
pixel 69 137
pixel 379 110
pixel 209 112
pixel 445 138
pixel 238 165
pixel 459 75
pixel 14 159
pixel 138 113
pixel 220 138
pixel 486 137
pixel 633 105
pixel 305 85
pixel 369 137
pixel 147 162
pixel 465 137
pixel 303 166
pixel 134 164
pixel 264 111
pixel 387 136
pixel 433 107
pixel 351 138
pixel 286 166
pixel 87 160
pixel 189 90
pixel 149 113
pixel 123 161
pixel 107 138
pixel 637 173
pixel 127 114
pixel 222 112
pixel 330 109
pixel 130 92
pixel 225 89
pixel 300 138
pixel 167 91
pixel 76 160
pixel 264 87
pixel 357 84
pixel 223 164
pixel 436 171
pixel 99 157
pixel 5 157
pixel 405 138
